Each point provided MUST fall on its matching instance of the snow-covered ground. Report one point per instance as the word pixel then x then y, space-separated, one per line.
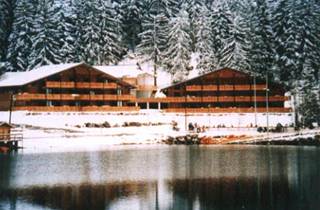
pixel 71 119
pixel 66 131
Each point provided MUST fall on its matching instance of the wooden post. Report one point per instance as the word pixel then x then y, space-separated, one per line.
pixel 234 89
pixel 11 106
pixel 218 90
pixel 185 109
pixel 255 99
pixel 267 103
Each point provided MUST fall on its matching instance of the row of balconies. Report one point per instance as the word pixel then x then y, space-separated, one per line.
pixel 76 108
pixel 81 85
pixel 230 110
pixel 212 99
pixel 67 97
pixel 225 87
pixel 107 97
pixel 93 85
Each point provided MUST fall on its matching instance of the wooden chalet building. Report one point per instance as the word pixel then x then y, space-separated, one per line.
pixel 65 87
pixel 225 90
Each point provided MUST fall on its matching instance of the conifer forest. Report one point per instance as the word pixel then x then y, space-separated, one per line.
pixel 278 38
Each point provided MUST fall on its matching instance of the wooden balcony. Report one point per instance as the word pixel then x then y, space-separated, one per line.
pixel 52 84
pixel 53 97
pixel 196 88
pixel 71 97
pixel 226 87
pixel 146 87
pixel 76 109
pixel 81 85
pixel 96 85
pixel 229 110
pixel 210 99
pixel 110 109
pixel 202 88
pixel 31 96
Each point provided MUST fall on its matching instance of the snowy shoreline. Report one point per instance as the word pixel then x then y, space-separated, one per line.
pixel 69 131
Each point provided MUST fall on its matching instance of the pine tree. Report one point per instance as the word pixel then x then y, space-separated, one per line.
pixel 132 13
pixel 6 21
pixel 233 52
pixel 309 40
pixel 296 25
pixel 20 39
pixel 110 34
pixel 194 8
pixel 261 52
pixel 178 54
pixel 282 26
pixel 90 39
pixel 205 41
pixel 65 30
pixel 46 48
pixel 221 30
pixel 97 37
pixel 154 33
pixel 310 109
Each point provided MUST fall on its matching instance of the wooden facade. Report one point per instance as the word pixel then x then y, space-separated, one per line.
pixel 225 90
pixel 80 88
pixel 5 129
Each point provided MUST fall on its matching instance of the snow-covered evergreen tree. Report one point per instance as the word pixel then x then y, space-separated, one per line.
pixel 20 39
pixel 6 21
pixel 222 38
pixel 296 25
pixel 310 109
pixel 97 33
pixel 132 13
pixel 46 48
pixel 90 40
pixel 235 46
pixel 282 27
pixel 194 8
pixel 110 34
pixel 65 29
pixel 154 33
pixel 221 30
pixel 205 41
pixel 178 54
pixel 261 53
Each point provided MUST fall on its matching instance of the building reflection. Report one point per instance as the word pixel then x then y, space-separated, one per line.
pixel 180 178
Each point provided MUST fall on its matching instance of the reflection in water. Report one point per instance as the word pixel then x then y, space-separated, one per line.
pixel 228 177
pixel 84 196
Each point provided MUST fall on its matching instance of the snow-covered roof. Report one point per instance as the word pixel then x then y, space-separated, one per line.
pixel 11 79
pixel 4 124
pixel 201 75
pixel 22 78
pixel 119 71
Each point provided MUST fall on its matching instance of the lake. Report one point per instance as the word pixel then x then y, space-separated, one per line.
pixel 163 177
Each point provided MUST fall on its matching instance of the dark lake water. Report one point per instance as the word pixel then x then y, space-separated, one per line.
pixel 164 177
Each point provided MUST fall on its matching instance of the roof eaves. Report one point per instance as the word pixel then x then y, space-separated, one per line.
pixel 113 77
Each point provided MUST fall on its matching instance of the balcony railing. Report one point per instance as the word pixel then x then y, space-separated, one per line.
pixel 229 110
pixel 224 87
pixel 210 99
pixel 71 97
pixel 146 87
pixel 76 108
pixel 51 84
pixel 27 96
pixel 81 85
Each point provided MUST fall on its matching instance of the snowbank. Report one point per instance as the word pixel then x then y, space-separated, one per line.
pixel 66 131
